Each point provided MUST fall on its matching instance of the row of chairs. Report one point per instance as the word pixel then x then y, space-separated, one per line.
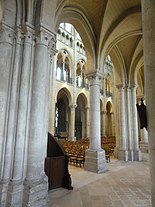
pixel 76 150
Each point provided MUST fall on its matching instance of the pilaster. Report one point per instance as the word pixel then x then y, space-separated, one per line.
pixel 20 99
pixel 7 38
pixel 36 182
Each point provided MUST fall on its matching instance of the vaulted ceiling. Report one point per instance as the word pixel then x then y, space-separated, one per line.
pixel 108 27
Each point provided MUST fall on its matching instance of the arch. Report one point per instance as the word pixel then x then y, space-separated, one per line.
pixel 62 111
pixel 75 17
pixel 137 64
pixel 64 91
pixel 81 117
pixel 120 20
pixel 119 65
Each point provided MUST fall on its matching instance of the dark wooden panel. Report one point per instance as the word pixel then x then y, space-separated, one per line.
pixel 55 171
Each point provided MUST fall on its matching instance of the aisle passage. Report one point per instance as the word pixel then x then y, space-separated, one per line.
pixel 125 184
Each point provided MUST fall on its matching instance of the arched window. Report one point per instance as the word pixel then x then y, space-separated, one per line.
pixel 80 75
pixel 58 73
pixel 59 69
pixel 67 70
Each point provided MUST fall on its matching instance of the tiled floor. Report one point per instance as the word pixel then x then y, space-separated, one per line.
pixel 125 184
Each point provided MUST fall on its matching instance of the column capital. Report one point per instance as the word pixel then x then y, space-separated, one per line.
pixel 73 106
pixel 19 36
pixel 47 38
pixel 133 87
pixel 7 34
pixel 28 31
pixel 120 86
pixel 87 107
pixel 94 74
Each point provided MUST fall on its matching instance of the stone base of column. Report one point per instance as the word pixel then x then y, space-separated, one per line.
pixel 137 155
pixel 15 193
pixel 3 193
pixel 116 149
pixel 130 155
pixel 95 161
pixel 144 147
pixel 72 139
pixel 36 193
pixel 123 155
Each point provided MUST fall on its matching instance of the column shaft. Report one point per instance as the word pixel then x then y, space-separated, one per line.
pixel 123 153
pixel 36 181
pixel 6 71
pixel 130 125
pixel 19 101
pixel 95 131
pixel 72 123
pixel 87 122
pixel 6 58
pixel 95 156
pixel 137 152
pixel 148 17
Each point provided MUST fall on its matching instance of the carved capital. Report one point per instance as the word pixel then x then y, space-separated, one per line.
pixel 73 106
pixel 120 86
pixel 28 32
pixel 19 36
pixel 94 75
pixel 7 34
pixel 47 38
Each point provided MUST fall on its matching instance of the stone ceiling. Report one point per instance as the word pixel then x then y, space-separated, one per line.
pixel 112 25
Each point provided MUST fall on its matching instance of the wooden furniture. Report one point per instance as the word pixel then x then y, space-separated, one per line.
pixel 56 165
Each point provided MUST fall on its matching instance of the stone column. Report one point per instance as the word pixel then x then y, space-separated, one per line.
pixel 122 152
pixel 72 123
pixel 137 152
pixel 130 125
pixel 22 86
pixel 36 184
pixel 6 72
pixel 52 98
pixel 95 156
pixel 148 17
pixel 113 123
pixel 102 123
pixel 144 140
pixel 87 122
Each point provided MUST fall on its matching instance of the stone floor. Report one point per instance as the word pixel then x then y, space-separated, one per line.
pixel 125 184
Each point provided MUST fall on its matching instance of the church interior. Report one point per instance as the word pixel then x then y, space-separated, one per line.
pixel 77 103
